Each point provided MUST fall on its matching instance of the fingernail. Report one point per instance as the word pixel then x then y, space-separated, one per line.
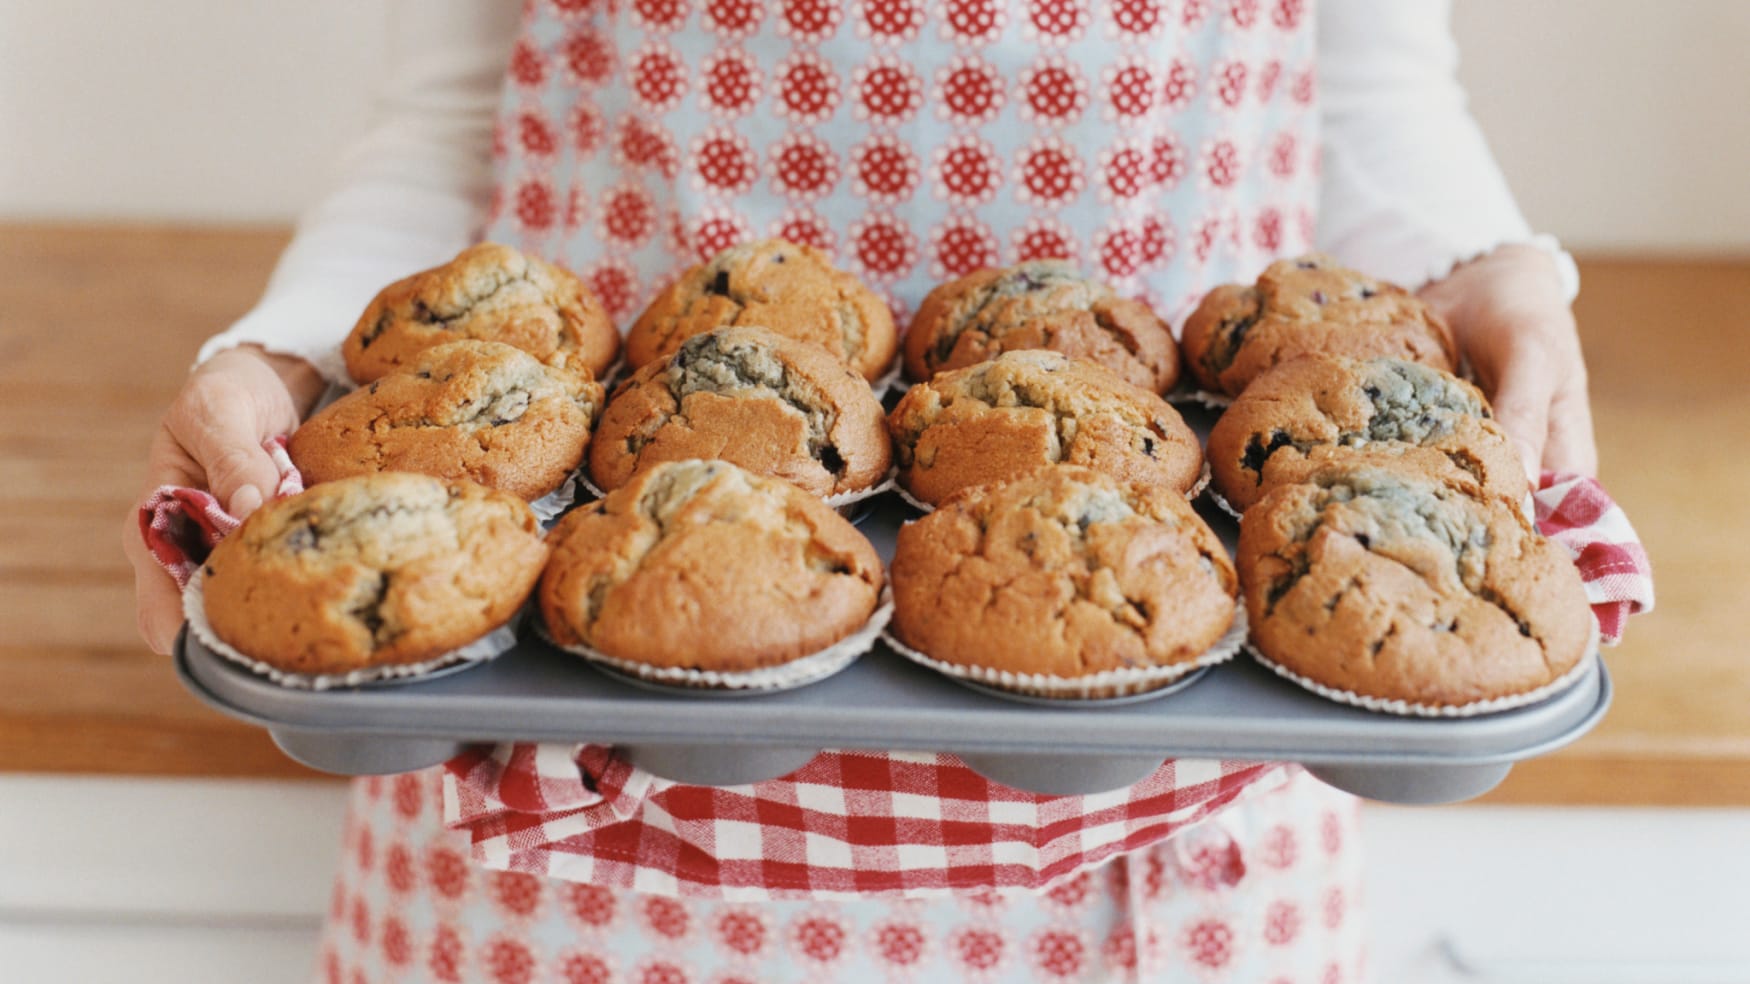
pixel 245 501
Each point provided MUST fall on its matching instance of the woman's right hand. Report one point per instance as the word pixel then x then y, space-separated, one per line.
pixel 211 438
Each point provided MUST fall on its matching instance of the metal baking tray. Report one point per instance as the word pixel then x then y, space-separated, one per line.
pixel 1237 710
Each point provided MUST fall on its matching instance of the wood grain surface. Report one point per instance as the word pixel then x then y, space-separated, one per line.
pixel 99 323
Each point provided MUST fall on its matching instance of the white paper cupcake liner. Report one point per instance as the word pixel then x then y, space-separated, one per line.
pixel 1184 393
pixel 488 646
pixel 920 505
pixel 548 507
pixel 1221 502
pixel 891 381
pixel 1405 708
pixel 1104 685
pixel 795 673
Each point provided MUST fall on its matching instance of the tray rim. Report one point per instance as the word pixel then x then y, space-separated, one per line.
pixel 1507 737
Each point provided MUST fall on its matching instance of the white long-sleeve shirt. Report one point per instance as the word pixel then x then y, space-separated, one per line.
pixel 1408 187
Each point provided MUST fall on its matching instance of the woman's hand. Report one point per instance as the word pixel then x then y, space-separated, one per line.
pixel 1510 317
pixel 211 438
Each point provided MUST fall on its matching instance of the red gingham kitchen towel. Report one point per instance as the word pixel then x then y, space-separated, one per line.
pixel 851 822
pixel 1576 513
pixel 181 525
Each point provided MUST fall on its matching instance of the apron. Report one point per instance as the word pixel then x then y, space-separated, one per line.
pixel 1165 145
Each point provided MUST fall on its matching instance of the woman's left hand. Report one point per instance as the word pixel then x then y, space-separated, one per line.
pixel 1511 319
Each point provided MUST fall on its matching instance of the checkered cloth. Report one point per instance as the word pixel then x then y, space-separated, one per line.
pixel 852 822
pixel 181 525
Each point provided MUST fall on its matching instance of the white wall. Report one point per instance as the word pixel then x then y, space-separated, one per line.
pixel 1623 123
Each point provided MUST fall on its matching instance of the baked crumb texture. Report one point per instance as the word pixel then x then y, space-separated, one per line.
pixel 792 290
pixel 1066 572
pixel 702 565
pixel 489 292
pixel 1305 305
pixel 371 571
pixel 1407 587
pixel 482 411
pixel 1025 410
pixel 1318 409
pixel 1045 304
pixel 766 402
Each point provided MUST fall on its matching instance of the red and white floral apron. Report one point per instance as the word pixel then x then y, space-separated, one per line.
pixel 1167 145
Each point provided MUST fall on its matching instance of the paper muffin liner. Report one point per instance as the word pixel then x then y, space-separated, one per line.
pixel 492 644
pixel 920 505
pixel 1221 502
pixel 1404 708
pixel 799 672
pixel 548 507
pixel 891 381
pixel 1186 392
pixel 1104 685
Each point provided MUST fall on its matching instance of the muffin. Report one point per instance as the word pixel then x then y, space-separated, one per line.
pixel 790 289
pixel 1408 588
pixel 1067 572
pixel 1023 411
pixel 770 404
pixel 1308 305
pixel 1044 304
pixel 372 571
pixel 488 292
pixel 482 411
pixel 1317 409
pixel 701 565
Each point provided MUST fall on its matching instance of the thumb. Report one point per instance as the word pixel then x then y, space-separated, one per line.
pixel 1522 400
pixel 224 437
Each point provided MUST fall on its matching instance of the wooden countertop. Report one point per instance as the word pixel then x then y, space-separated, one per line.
pixel 98 323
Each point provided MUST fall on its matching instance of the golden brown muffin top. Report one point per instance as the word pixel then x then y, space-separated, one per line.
pixel 1304 305
pixel 1410 588
pixel 1066 572
pixel 771 404
pixel 784 287
pixel 1042 304
pixel 700 564
pixel 490 292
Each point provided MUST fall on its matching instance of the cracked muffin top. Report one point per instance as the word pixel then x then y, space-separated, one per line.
pixel 1043 304
pixel 372 571
pixel 1309 304
pixel 790 289
pixel 1066 572
pixel 1022 411
pixel 1408 588
pixel 768 403
pixel 701 565
pixel 1317 409
pixel 488 292
pixel 476 410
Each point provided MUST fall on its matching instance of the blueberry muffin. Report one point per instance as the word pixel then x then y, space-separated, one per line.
pixel 701 565
pixel 1044 304
pixel 790 289
pixel 770 404
pixel 488 292
pixel 1317 409
pixel 482 411
pixel 1308 305
pixel 1408 588
pixel 371 571
pixel 1024 411
pixel 1067 572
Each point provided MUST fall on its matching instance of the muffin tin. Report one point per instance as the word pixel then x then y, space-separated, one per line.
pixel 1238 710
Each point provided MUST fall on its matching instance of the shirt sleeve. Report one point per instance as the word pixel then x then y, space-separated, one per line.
pixel 408 195
pixel 1409 189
